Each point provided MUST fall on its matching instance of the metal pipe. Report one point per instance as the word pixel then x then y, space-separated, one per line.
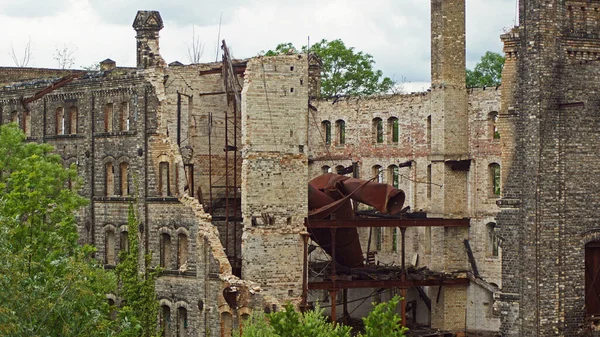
pixel 304 303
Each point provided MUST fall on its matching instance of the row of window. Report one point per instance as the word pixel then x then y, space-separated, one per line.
pixel 392 134
pixel 66 123
pixel 122 188
pixel 179 329
pixel 393 176
pixel 167 260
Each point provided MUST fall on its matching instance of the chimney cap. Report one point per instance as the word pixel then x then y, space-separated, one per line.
pixel 148 20
pixel 108 64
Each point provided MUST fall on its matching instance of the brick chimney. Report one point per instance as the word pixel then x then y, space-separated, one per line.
pixel 147 24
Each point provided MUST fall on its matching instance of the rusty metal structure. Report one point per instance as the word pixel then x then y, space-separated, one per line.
pixel 333 224
pixel 227 187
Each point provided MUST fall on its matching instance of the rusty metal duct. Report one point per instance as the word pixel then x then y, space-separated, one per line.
pixel 329 197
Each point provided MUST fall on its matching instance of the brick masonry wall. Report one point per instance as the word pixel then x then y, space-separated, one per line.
pixel 274 172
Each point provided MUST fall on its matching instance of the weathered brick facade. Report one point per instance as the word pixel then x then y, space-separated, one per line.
pixel 550 195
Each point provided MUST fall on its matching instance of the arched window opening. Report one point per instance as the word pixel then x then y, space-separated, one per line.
pixel 14 118
pixel 60 121
pixel 27 123
pixel 226 324
pixel 182 322
pixel 182 251
pixel 124 117
pixel 113 309
pixel 124 176
pixel 109 246
pixel 326 126
pixel 165 250
pixel 165 320
pixel 377 130
pixel 108 117
pixel 339 169
pixel 73 120
pixel 393 176
pixel 394 134
pixel 163 179
pixel 494 170
pixel 428 132
pixel 124 241
pixel 340 129
pixel 493 239
pixel 326 169
pixel 110 179
pixel 429 181
pixel 376 171
pixel 493 125
pixel 592 281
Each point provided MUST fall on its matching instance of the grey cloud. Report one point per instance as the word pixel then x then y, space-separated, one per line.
pixel 182 12
pixel 32 8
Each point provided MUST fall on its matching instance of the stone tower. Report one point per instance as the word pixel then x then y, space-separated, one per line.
pixel 148 24
pixel 275 172
pixel 549 222
pixel 448 146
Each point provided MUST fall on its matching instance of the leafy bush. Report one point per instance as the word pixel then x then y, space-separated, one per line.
pixel 383 321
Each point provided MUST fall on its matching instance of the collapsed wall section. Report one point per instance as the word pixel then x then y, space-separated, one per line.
pixel 274 172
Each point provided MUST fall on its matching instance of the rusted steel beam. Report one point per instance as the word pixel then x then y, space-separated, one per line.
pixel 419 222
pixel 54 86
pixel 339 284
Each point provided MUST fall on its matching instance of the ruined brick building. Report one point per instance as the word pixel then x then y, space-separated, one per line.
pixel 218 156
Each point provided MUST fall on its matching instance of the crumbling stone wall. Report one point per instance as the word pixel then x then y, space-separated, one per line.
pixel 274 172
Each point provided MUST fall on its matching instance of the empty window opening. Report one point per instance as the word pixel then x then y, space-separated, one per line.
pixel 395 240
pixel 124 117
pixel 340 129
pixel 27 123
pixel 378 130
pixel 124 241
pixel 182 322
pixel 109 246
pixel 492 240
pixel 60 121
pixel 110 179
pixel 428 132
pixel 376 171
pixel 326 126
pixel 429 181
pixel 165 250
pixel 124 178
pixel 108 117
pixel 393 130
pixel 165 320
pixel 326 169
pixel 494 170
pixel 393 176
pixel 14 118
pixel 163 179
pixel 182 251
pixel 378 237
pixel 189 174
pixel 73 120
pixel 493 125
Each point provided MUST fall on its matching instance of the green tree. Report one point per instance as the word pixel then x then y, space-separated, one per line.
pixel 344 70
pixel 383 320
pixel 137 291
pixel 487 72
pixel 51 286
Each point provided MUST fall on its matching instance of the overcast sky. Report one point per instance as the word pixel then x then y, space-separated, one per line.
pixel 395 32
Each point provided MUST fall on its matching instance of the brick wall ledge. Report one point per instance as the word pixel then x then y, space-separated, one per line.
pixel 114 134
pixel 508 203
pixel 162 199
pixel 71 136
pixel 114 199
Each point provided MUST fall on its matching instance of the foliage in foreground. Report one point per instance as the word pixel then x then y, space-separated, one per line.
pixel 487 72
pixel 382 321
pixel 345 71
pixel 51 286
pixel 137 287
